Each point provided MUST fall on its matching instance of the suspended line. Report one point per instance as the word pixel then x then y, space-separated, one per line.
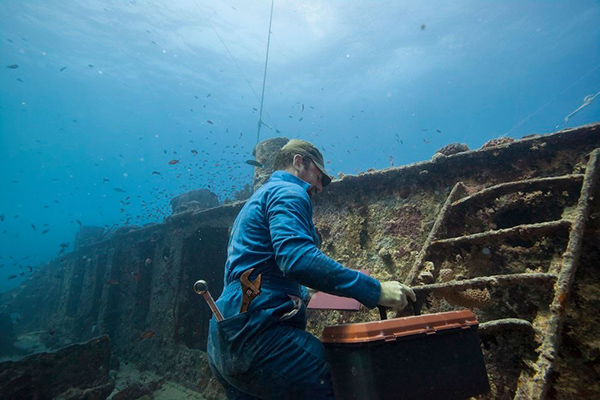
pixel 586 102
pixel 232 57
pixel 548 103
pixel 262 99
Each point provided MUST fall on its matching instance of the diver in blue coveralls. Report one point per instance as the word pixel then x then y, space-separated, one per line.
pixel 261 349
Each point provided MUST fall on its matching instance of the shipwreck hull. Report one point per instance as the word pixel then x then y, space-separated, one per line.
pixel 418 224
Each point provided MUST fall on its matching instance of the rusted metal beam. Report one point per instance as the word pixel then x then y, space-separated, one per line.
pixel 486 281
pixel 516 186
pixel 481 282
pixel 505 324
pixel 418 264
pixel 519 230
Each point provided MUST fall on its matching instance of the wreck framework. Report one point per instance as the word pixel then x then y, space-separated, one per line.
pixel 510 231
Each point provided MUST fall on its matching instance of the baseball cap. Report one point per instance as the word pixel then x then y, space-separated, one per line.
pixel 308 150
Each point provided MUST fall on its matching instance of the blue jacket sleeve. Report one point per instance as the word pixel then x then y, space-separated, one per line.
pixel 289 212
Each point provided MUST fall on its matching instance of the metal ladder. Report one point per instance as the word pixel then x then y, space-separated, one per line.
pixel 561 278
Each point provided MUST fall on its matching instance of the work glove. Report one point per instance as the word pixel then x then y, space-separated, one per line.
pixel 395 295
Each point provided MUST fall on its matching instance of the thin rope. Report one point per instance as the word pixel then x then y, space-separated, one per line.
pixel 586 102
pixel 262 100
pixel 548 103
pixel 233 58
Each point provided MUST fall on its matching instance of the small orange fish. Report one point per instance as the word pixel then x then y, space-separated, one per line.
pixel 147 335
pixel 136 276
pixel 173 162
pixel 112 282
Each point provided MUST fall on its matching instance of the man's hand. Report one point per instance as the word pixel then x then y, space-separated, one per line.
pixel 395 295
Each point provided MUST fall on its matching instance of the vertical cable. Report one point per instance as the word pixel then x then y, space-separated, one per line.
pixel 262 99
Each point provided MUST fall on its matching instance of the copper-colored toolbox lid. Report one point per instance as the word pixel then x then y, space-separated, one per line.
pixel 392 329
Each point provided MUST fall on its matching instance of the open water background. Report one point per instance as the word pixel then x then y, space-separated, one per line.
pixel 107 93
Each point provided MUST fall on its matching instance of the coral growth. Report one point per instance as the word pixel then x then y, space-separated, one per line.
pixel 452 148
pixel 407 223
pixel 497 142
pixel 468 298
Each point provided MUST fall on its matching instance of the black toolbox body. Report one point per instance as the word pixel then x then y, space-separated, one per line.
pixel 422 357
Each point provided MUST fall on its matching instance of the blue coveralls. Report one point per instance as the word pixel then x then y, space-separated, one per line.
pixel 266 352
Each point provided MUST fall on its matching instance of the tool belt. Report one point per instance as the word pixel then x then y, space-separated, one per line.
pixel 252 289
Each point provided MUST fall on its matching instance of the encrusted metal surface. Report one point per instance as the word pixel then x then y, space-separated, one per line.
pixel 507 251
pixel 537 387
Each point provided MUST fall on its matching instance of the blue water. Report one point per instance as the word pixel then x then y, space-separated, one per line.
pixel 371 83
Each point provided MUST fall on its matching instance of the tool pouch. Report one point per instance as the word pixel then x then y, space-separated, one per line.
pixel 231 354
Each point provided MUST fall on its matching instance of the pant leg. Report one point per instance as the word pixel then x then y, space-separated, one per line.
pixel 232 393
pixel 292 364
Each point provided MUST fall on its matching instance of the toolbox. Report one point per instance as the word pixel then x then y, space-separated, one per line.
pixel 433 356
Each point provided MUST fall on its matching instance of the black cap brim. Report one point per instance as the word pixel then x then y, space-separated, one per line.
pixel 325 178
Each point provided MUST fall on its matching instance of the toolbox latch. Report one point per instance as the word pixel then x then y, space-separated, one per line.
pixel 428 330
pixel 389 338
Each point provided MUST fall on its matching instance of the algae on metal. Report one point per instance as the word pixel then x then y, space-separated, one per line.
pixel 399 223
